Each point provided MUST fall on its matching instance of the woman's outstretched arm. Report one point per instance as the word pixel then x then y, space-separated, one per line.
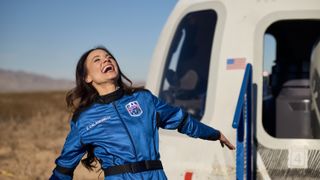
pixel 71 154
pixel 175 118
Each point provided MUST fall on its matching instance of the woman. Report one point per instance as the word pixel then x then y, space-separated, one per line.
pixel 117 125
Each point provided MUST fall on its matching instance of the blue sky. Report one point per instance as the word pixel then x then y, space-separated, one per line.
pixel 48 37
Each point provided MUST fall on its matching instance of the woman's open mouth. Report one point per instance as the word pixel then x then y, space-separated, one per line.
pixel 107 68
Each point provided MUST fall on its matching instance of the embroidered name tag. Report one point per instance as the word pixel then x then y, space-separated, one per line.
pixel 92 125
pixel 134 109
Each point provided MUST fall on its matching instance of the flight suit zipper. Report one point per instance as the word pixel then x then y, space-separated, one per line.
pixel 127 130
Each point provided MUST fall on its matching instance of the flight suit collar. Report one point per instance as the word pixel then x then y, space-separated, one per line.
pixel 108 98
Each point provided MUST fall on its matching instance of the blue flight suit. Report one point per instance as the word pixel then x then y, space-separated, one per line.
pixel 123 128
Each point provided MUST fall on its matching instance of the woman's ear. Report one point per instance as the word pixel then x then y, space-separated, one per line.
pixel 88 79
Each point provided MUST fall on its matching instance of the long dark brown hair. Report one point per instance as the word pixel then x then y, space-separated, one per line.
pixel 84 94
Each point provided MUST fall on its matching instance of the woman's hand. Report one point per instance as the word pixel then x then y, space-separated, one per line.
pixel 224 141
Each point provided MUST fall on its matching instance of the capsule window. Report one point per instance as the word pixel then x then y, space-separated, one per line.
pixel 185 77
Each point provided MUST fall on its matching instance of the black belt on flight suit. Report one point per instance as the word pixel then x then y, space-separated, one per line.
pixel 133 167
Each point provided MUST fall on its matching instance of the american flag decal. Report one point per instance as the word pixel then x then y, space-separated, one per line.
pixel 236 63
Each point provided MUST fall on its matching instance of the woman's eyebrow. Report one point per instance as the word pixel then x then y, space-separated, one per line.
pixel 95 56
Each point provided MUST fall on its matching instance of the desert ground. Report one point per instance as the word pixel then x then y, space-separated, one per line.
pixel 33 127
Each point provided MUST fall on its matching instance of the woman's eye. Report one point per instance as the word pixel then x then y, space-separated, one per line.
pixel 108 56
pixel 96 60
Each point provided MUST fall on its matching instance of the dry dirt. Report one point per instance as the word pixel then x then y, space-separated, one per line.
pixel 33 127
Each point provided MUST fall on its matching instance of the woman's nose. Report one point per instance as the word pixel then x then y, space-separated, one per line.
pixel 107 59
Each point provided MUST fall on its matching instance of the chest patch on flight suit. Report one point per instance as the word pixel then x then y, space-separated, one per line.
pixel 134 109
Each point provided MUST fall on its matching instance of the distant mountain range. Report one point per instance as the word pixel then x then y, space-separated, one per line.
pixel 19 81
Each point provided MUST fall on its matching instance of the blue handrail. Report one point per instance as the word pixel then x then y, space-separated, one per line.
pixel 242 117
